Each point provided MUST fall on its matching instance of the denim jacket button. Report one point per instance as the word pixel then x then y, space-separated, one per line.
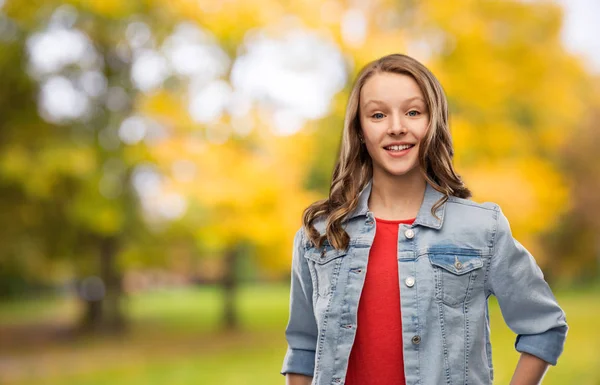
pixel 409 281
pixel 409 233
pixel 457 263
pixel 416 339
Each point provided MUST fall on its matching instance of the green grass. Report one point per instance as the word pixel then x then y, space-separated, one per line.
pixel 175 340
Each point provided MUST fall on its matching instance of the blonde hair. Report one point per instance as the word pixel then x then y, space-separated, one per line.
pixel 354 167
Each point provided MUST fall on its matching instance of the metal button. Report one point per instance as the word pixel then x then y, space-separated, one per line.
pixel 409 233
pixel 457 263
pixel 416 339
pixel 409 281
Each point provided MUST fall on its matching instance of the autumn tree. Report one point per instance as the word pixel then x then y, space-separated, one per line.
pixel 208 127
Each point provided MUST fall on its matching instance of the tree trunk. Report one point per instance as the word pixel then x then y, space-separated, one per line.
pixel 103 311
pixel 229 284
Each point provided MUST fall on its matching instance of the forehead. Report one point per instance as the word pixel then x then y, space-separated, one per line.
pixel 390 87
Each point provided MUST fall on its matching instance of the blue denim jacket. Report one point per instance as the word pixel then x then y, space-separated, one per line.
pixel 448 267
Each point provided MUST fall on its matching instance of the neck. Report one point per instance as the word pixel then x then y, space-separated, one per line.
pixel 397 197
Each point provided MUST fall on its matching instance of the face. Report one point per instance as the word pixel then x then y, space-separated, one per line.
pixel 393 111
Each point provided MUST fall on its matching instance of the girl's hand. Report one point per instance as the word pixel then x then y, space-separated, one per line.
pixel 530 370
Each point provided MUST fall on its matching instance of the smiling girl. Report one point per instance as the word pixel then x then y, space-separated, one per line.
pixel 391 274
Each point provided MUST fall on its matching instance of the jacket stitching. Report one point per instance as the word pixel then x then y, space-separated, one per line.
pixel 472 278
pixel 486 286
pixel 444 343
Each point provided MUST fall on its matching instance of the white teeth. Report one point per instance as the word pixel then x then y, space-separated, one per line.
pixel 398 148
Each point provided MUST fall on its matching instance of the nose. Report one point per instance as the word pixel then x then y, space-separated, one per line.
pixel 397 126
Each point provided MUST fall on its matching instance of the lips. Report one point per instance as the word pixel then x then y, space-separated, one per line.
pixel 399 147
pixel 399 151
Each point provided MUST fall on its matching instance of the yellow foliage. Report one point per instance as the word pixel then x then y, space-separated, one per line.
pixel 110 8
pixel 530 191
pixel 515 97
pixel 252 193
pixel 39 170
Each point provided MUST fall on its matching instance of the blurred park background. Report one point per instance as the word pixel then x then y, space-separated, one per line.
pixel 156 156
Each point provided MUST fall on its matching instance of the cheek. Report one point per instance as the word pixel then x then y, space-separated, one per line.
pixel 421 129
pixel 367 128
pixel 364 123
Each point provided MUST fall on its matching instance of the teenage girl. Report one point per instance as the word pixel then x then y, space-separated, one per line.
pixel 391 274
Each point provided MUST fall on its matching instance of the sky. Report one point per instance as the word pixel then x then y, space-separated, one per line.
pixel 581 30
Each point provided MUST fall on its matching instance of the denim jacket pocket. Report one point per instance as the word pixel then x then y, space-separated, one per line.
pixel 455 271
pixel 326 266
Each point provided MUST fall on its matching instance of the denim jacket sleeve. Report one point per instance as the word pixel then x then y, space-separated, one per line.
pixel 526 301
pixel 301 331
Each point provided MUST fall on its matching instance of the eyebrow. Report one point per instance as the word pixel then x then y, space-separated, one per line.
pixel 381 102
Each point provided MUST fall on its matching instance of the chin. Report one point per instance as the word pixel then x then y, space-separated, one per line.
pixel 400 171
pixel 397 172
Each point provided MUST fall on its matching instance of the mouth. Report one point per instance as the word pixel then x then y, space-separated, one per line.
pixel 398 151
pixel 398 148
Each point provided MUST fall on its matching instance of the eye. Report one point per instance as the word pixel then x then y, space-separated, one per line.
pixel 376 114
pixel 413 111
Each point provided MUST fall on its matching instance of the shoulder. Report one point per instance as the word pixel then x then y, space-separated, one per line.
pixel 468 209
pixel 469 204
pixel 301 240
pixel 468 216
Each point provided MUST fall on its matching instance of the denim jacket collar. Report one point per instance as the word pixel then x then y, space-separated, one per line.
pixel 424 216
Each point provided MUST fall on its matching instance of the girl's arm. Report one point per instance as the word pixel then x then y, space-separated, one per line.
pixel 297 379
pixel 528 305
pixel 301 331
pixel 530 370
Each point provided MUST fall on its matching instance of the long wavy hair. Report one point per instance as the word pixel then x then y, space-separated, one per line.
pixel 354 167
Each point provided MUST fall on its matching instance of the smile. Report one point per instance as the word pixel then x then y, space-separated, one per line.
pixel 398 151
pixel 399 148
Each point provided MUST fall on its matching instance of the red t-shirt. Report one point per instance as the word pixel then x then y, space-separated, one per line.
pixel 376 356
